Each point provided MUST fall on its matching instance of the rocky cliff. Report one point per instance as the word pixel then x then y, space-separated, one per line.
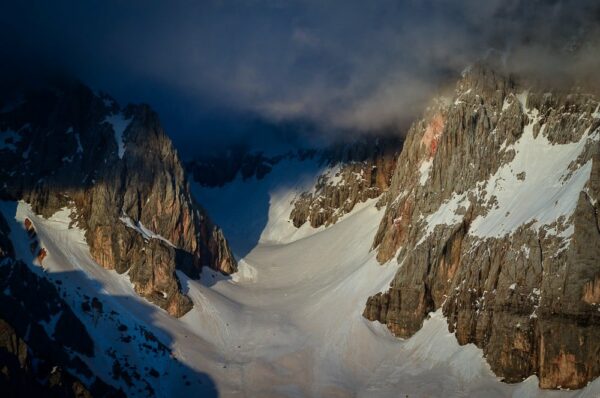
pixel 68 146
pixel 493 215
pixel 358 172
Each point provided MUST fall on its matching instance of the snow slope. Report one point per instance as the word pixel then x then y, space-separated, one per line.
pixel 245 207
pixel 540 186
pixel 549 188
pixel 288 324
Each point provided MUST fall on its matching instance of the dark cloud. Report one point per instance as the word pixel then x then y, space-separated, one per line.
pixel 212 68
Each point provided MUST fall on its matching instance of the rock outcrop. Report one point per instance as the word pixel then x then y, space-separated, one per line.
pixel 120 172
pixel 34 360
pixel 357 172
pixel 493 215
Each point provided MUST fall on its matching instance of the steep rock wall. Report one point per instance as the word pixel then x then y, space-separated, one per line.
pixel 493 215
pixel 120 172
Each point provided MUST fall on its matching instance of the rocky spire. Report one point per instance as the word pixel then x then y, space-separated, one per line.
pixel 120 173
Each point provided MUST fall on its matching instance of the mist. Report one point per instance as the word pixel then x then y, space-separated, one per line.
pixel 215 70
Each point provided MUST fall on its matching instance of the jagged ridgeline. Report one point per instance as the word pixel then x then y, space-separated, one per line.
pixel 66 146
pixel 354 172
pixel 359 171
pixel 493 215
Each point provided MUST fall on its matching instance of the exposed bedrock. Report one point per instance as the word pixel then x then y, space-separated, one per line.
pixel 507 245
pixel 119 172
pixel 358 172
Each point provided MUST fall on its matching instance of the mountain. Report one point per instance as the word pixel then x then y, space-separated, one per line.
pixel 473 242
pixel 64 146
pixel 493 215
pixel 490 212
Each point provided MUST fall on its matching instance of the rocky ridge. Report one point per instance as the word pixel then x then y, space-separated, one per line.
pixel 357 172
pixel 354 173
pixel 239 160
pixel 117 169
pixel 493 215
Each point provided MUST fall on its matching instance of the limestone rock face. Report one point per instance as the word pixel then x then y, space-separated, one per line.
pixel 358 172
pixel 493 215
pixel 120 172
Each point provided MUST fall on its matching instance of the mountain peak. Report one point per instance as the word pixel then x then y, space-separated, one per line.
pixel 105 162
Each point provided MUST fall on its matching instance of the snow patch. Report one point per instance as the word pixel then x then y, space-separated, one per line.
pixel 505 104
pixel 424 170
pixel 446 214
pixel 108 102
pixel 433 344
pixel 525 250
pixel 550 191
pixel 522 97
pixel 245 273
pixel 596 113
pixel 79 146
pixel 50 325
pixel 119 124
pixel 70 130
pixel 145 232
pixel 333 175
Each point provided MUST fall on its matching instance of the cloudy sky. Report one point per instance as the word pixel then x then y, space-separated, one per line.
pixel 218 69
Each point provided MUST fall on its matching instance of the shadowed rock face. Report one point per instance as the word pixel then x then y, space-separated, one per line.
pixel 119 171
pixel 527 296
pixel 359 172
pixel 238 160
pixel 20 378
pixel 44 365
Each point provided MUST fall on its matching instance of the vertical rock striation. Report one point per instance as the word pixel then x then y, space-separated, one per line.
pixel 358 172
pixel 493 214
pixel 120 172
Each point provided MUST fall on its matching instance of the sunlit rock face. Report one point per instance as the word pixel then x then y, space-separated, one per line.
pixel 358 172
pixel 69 147
pixel 493 214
